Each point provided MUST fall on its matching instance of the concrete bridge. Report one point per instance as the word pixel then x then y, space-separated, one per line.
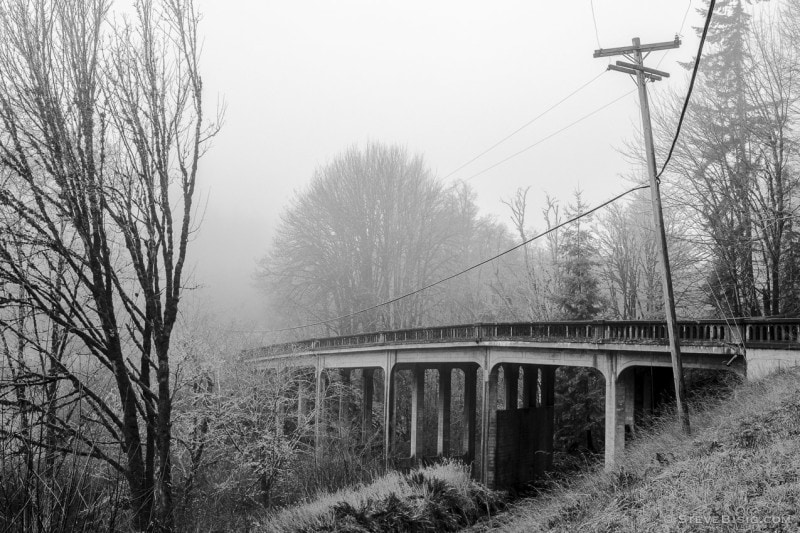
pixel 508 439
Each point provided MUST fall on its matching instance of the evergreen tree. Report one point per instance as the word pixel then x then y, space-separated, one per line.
pixel 725 114
pixel 579 391
pixel 580 298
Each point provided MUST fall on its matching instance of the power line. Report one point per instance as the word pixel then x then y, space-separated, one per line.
pixel 679 32
pixel 691 87
pixel 594 19
pixel 685 15
pixel 460 273
pixel 540 141
pixel 534 119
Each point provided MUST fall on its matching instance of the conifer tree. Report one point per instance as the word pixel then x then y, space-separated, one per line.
pixel 580 298
pixel 579 391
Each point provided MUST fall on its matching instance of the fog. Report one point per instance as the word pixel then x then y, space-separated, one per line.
pixel 302 81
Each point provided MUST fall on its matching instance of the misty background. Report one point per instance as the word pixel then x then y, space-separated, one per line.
pixel 302 81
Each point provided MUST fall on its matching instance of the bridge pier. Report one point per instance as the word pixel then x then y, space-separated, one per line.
pixel 619 410
pixel 302 399
pixel 545 419
pixel 367 393
pixel 632 396
pixel 417 412
pixel 468 425
pixel 344 400
pixel 511 383
pixel 530 385
pixel 443 412
pixel 318 408
pixel 489 428
pixel 389 412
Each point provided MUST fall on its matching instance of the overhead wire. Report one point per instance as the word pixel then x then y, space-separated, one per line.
pixel 691 88
pixel 594 19
pixel 534 119
pixel 685 16
pixel 679 32
pixel 540 141
pixel 459 273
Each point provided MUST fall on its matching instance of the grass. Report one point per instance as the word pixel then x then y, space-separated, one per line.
pixel 442 497
pixel 739 470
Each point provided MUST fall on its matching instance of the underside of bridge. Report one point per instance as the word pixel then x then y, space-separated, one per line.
pixel 501 422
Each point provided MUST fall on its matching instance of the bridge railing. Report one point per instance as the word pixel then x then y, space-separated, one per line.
pixel 780 332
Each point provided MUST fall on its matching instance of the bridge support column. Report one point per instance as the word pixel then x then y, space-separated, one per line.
pixel 468 420
pixel 530 383
pixel 344 399
pixel 417 413
pixel 489 427
pixel 613 433
pixel 388 412
pixel 443 412
pixel 367 389
pixel 543 460
pixel 511 381
pixel 318 410
pixel 628 386
pixel 619 410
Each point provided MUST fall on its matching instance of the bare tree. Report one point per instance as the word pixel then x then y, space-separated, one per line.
pixel 773 86
pixel 487 293
pixel 102 132
pixel 372 225
pixel 620 265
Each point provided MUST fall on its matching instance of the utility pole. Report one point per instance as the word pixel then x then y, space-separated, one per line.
pixel 636 68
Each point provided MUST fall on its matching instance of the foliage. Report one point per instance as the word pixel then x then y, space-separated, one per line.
pixel 246 439
pixel 580 297
pixel 241 443
pixel 736 164
pixel 436 498
pixel 579 411
pixel 579 391
pixel 373 225
pixel 668 480
pixel 534 285
pixel 76 495
pixel 102 133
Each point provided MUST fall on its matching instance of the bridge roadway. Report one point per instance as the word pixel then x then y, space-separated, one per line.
pixel 515 443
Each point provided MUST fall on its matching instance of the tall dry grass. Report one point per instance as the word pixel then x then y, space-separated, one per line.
pixel 739 470
pixel 442 497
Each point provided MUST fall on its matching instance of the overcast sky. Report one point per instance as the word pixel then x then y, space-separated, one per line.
pixel 304 80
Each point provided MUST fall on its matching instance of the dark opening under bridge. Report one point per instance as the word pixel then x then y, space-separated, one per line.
pixel 508 439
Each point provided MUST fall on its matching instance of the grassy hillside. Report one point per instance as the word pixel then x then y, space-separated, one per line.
pixel 738 471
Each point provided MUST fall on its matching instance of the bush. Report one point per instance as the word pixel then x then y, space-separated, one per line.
pixel 436 498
